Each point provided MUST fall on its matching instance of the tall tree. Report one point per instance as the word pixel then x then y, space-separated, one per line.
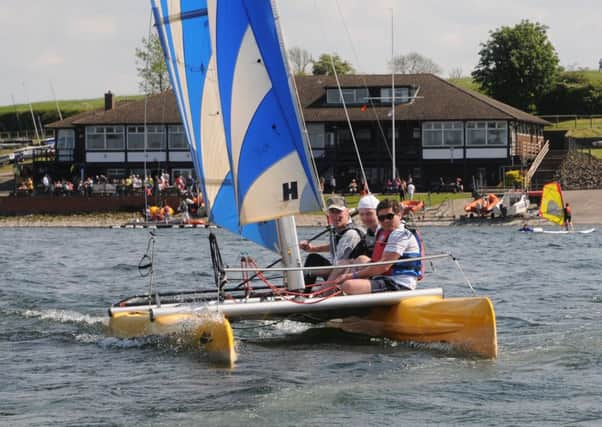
pixel 324 65
pixel 413 63
pixel 518 65
pixel 152 69
pixel 300 59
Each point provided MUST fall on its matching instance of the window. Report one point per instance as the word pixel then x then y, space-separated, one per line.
pixel 177 138
pixel 350 95
pixel 317 139
pixel 402 95
pixel 487 133
pixel 65 145
pixel 115 173
pixel 182 172
pixel 155 136
pixel 104 138
pixel 442 134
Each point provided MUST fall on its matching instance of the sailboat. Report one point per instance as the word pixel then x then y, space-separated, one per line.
pixel 552 209
pixel 237 101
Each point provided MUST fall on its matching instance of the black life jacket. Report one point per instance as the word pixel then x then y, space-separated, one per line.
pixel 360 248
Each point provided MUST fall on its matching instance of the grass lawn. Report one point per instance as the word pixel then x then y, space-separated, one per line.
pixel 595 152
pixel 66 106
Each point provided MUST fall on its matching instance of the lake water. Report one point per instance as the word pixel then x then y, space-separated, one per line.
pixel 59 367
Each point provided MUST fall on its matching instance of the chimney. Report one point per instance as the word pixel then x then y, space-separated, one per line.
pixel 109 101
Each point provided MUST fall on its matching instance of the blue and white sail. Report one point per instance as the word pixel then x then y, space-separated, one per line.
pixel 230 79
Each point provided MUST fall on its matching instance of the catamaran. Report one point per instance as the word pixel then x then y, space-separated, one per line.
pixel 238 104
pixel 552 208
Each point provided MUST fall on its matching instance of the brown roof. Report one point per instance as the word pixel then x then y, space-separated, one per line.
pixel 437 99
pixel 160 108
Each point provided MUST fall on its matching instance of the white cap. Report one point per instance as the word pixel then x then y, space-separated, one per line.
pixel 368 202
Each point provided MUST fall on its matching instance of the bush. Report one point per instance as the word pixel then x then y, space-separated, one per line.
pixel 513 178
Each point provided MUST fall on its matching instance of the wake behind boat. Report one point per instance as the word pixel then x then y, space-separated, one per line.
pixel 236 99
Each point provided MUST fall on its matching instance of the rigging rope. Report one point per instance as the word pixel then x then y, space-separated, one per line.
pixel 363 78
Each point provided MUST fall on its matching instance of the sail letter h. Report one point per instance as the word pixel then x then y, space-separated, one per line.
pixel 289 191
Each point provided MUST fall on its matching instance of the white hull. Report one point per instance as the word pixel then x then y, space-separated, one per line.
pixel 541 230
pixel 256 308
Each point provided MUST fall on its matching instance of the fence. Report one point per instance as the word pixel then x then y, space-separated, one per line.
pixel 574 121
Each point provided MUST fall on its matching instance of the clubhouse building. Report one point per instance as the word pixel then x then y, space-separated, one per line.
pixel 442 131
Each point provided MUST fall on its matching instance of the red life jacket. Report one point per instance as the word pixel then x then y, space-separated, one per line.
pixel 412 269
pixel 379 244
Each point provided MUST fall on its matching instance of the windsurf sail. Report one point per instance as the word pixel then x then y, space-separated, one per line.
pixel 234 94
pixel 552 204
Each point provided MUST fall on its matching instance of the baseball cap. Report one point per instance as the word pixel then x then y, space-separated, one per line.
pixel 337 203
pixel 368 202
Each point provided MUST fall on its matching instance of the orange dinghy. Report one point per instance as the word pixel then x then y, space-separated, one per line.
pixel 412 206
pixel 484 205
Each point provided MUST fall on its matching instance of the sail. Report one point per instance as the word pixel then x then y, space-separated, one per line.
pixel 233 91
pixel 552 205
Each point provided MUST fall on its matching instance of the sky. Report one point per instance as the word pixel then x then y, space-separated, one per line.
pixel 81 48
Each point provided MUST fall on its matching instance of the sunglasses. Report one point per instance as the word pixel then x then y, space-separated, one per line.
pixel 388 216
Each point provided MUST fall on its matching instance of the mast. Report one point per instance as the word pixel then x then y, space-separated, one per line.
pixel 393 98
pixel 55 101
pixel 285 226
pixel 33 118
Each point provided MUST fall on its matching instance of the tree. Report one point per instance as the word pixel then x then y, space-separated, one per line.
pixel 456 73
pixel 152 69
pixel 300 59
pixel 518 65
pixel 413 63
pixel 324 65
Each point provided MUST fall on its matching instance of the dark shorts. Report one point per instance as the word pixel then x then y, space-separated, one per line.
pixel 385 283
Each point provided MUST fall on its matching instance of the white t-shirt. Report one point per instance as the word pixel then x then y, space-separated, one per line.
pixel 403 241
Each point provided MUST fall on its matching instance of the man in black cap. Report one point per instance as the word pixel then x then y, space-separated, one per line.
pixel 346 238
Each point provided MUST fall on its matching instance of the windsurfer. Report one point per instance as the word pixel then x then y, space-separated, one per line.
pixel 393 242
pixel 346 238
pixel 526 228
pixel 568 218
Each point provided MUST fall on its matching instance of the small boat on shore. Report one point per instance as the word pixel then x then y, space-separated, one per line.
pixel 483 205
pixel 412 207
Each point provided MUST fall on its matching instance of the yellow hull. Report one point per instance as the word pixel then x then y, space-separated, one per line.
pixel 211 333
pixel 467 324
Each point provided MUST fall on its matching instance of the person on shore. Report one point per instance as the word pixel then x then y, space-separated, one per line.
pixel 333 184
pixel 568 218
pixel 346 238
pixel 411 189
pixel 403 188
pixel 393 242
pixel 352 188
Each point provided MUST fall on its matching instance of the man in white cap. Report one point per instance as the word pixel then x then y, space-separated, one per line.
pixel 393 242
pixel 346 238
pixel 367 210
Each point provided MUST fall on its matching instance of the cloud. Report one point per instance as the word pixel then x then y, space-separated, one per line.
pixel 93 26
pixel 49 58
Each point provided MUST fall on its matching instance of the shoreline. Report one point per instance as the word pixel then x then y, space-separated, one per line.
pixel 587 208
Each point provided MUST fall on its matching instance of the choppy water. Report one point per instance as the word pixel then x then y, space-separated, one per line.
pixel 59 368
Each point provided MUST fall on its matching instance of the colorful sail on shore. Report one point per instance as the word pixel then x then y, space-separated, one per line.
pixel 233 90
pixel 552 204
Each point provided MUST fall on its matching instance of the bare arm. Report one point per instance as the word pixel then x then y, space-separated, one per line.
pixel 374 270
